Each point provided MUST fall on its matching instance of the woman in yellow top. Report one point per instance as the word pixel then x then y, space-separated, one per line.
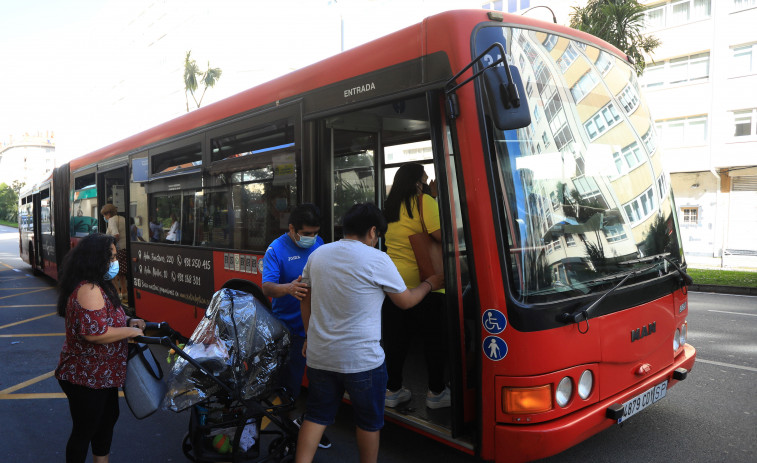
pixel 428 317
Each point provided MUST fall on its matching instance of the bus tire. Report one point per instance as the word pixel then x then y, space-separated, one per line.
pixel 249 287
pixel 33 261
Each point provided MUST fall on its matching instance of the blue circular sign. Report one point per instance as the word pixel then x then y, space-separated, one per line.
pixel 495 348
pixel 494 321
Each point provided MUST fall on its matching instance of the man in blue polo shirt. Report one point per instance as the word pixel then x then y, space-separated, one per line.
pixel 282 274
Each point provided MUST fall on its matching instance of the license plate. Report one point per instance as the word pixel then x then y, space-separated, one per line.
pixel 643 400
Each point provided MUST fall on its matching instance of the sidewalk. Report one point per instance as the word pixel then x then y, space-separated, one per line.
pixel 729 262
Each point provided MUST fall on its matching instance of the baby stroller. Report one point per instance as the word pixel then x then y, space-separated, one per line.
pixel 226 374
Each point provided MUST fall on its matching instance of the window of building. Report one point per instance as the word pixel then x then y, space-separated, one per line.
pixel 550 42
pixel 614 232
pixel 689 10
pixel 537 114
pixel 584 85
pixel 743 61
pixel 743 4
pixel 628 158
pixel 655 17
pixel 690 215
pixel 744 122
pixel 641 207
pixel 629 99
pixel 603 120
pixel 650 141
pixel 663 186
pixel 677 12
pixel 569 55
pixel 545 139
pixel 675 71
pixel 688 131
pixel 604 62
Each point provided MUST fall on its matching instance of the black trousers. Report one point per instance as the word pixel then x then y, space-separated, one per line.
pixel 94 413
pixel 400 327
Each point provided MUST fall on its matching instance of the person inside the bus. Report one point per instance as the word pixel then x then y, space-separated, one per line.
pixel 92 363
pixel 401 210
pixel 117 228
pixel 135 231
pixel 282 281
pixel 173 233
pixel 342 316
pixel 156 230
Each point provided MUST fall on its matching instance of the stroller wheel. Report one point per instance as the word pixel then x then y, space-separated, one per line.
pixel 186 447
pixel 283 448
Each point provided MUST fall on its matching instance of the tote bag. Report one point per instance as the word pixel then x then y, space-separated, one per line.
pixel 428 251
pixel 144 388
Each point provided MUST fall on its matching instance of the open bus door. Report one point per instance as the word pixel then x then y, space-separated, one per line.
pixel 113 188
pixel 365 149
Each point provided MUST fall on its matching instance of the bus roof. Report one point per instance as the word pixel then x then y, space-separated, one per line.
pixel 400 46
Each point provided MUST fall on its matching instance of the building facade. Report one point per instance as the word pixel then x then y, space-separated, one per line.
pixel 699 85
pixel 28 158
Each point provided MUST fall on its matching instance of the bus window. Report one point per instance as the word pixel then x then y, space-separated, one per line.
pixel 45 217
pixel 354 177
pixel 138 207
pixel 84 211
pixel 177 159
pixel 167 209
pixel 252 187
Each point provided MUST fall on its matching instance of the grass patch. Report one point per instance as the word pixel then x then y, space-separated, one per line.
pixel 723 277
pixel 9 224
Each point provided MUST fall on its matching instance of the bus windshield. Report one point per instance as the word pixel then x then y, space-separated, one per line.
pixel 583 184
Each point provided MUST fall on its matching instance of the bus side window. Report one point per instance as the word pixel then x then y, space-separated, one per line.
pixel 84 210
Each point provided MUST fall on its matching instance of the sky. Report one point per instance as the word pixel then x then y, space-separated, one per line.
pixel 86 69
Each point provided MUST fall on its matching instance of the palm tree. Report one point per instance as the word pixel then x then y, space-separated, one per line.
pixel 619 22
pixel 191 72
pixel 209 79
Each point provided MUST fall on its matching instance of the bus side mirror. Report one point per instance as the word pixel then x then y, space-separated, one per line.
pixel 508 105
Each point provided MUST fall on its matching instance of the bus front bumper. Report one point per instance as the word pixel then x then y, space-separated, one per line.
pixel 515 443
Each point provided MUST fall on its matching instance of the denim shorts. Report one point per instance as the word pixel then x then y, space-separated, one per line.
pixel 367 391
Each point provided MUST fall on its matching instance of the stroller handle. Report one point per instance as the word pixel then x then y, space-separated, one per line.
pixel 166 332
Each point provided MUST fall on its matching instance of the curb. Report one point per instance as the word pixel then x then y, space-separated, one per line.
pixel 738 290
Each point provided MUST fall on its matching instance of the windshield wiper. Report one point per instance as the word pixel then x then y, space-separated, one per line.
pixel 685 277
pixel 585 313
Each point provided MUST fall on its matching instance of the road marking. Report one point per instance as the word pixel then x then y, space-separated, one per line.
pixel 30 335
pixel 39 378
pixel 40 395
pixel 21 294
pixel 27 320
pixel 729 365
pixel 27 305
pixel 38 287
pixel 734 313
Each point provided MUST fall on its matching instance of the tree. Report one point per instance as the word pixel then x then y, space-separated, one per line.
pixel 619 22
pixel 209 78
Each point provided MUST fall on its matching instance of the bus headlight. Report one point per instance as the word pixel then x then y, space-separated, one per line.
pixel 684 333
pixel 564 391
pixel 676 340
pixel 585 383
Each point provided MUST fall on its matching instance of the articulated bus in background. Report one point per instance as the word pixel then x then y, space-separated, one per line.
pixel 565 276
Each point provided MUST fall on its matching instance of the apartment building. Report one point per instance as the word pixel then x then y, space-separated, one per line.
pixel 700 87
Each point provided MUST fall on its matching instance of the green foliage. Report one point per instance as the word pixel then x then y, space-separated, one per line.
pixel 723 277
pixel 9 201
pixel 619 22
pixel 192 71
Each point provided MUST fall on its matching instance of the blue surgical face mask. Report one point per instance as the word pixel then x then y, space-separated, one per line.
pixel 306 241
pixel 112 271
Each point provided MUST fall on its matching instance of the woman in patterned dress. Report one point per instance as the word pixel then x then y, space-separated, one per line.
pixel 92 362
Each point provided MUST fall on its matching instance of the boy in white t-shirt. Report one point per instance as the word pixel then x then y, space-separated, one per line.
pixel 342 318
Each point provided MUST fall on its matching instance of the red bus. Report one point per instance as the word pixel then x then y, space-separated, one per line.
pixel 565 275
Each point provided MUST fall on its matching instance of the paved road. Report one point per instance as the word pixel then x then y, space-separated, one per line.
pixel 710 417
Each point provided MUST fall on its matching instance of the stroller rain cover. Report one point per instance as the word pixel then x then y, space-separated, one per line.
pixel 240 342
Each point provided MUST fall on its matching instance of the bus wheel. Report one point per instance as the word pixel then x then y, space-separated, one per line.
pixel 33 261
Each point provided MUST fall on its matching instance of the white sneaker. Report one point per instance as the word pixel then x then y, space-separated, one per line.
pixel 395 398
pixel 441 400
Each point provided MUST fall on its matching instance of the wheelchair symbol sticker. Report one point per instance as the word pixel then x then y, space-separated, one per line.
pixel 494 321
pixel 495 348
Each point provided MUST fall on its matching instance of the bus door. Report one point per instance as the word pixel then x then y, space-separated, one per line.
pixel 366 148
pixel 112 188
